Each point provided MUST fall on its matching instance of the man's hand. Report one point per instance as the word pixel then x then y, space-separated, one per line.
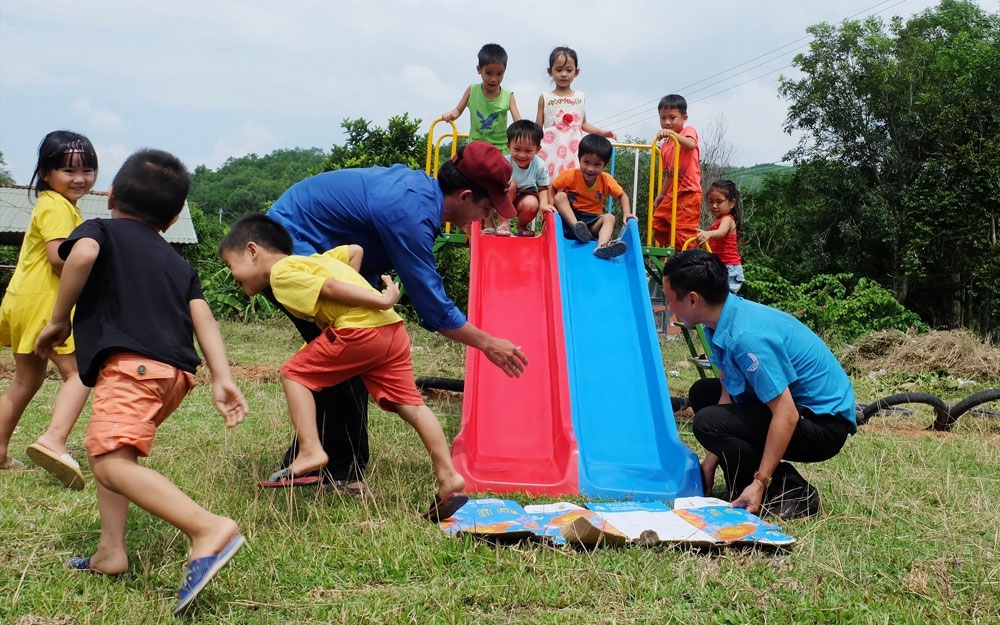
pixel 53 335
pixel 750 498
pixel 507 356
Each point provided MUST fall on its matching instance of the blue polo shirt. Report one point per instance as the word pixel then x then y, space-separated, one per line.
pixel 394 213
pixel 760 351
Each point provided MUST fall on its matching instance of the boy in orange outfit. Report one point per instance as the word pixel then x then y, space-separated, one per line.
pixel 673 115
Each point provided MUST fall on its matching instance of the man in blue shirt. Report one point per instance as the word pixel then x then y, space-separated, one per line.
pixel 782 395
pixel 395 214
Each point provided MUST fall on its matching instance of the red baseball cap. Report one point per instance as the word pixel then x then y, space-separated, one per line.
pixel 486 167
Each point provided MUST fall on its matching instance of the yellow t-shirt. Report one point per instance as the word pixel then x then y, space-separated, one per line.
pixel 298 280
pixel 31 294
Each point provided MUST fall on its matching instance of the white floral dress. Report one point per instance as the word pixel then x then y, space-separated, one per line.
pixel 563 128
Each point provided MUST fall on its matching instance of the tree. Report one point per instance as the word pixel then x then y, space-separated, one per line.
pixel 5 176
pixel 911 111
pixel 249 184
pixel 367 145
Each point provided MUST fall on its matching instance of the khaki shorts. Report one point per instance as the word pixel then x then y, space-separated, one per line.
pixel 132 397
pixel 381 356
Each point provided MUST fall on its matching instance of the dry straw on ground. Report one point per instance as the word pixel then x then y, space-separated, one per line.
pixel 957 353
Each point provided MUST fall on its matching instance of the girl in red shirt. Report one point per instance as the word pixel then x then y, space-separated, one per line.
pixel 724 204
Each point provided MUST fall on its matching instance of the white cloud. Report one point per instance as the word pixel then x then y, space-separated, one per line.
pixel 251 138
pixel 94 116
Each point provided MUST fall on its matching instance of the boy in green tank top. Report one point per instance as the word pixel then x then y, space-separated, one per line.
pixel 488 103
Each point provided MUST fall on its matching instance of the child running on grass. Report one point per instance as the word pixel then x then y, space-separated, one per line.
pixel 723 234
pixel 137 302
pixel 362 336
pixel 580 196
pixel 66 170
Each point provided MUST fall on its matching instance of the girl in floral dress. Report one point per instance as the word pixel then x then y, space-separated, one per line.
pixel 562 116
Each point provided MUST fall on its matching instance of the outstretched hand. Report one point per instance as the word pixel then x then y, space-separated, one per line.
pixel 750 498
pixel 229 401
pixel 507 356
pixel 53 335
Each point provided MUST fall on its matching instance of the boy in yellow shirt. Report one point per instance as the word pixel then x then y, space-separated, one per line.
pixel 362 336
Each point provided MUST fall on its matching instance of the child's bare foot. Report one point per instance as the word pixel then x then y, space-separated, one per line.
pixel 450 484
pixel 307 462
pixel 214 538
pixel 8 462
pixel 107 562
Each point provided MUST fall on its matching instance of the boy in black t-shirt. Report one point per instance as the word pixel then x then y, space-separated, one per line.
pixel 137 304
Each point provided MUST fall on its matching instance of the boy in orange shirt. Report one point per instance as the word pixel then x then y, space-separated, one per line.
pixel 580 194
pixel 673 115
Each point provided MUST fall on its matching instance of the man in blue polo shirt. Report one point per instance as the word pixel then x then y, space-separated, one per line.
pixel 782 394
pixel 395 214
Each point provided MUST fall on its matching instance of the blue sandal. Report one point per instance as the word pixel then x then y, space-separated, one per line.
pixel 200 571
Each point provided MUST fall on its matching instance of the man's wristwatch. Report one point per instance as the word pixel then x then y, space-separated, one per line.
pixel 765 482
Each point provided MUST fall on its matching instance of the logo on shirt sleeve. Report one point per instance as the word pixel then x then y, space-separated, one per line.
pixel 752 363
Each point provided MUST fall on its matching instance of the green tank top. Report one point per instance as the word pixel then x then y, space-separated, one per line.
pixel 489 117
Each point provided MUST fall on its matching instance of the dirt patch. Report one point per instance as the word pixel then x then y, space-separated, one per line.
pixel 956 353
pixel 243 373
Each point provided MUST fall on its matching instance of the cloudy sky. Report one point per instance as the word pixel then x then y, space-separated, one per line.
pixel 213 79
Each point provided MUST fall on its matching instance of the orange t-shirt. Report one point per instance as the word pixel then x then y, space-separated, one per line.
pixel 583 198
pixel 689 170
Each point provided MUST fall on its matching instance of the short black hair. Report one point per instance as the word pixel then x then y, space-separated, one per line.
pixel 559 51
pixel 596 145
pixel 152 186
pixel 492 54
pixel 697 271
pixel 58 149
pixel 451 180
pixel 260 229
pixel 673 101
pixel 525 129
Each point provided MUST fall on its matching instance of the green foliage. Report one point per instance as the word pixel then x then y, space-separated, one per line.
pixel 249 184
pixel 228 301
pixel 910 114
pixel 204 255
pixel 367 145
pixel 8 257
pixel 5 176
pixel 837 307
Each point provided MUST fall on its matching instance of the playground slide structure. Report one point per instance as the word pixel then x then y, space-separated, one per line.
pixel 516 433
pixel 591 414
pixel 622 417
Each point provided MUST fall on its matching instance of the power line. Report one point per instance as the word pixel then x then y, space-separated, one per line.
pixel 617 119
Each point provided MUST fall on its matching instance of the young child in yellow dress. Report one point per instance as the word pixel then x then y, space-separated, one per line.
pixel 66 171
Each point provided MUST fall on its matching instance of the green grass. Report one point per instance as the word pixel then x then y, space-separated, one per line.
pixel 908 534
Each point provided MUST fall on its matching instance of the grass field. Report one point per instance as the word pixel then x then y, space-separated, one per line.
pixel 910 531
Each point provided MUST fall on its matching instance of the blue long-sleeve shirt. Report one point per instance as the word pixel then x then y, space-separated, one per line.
pixel 393 213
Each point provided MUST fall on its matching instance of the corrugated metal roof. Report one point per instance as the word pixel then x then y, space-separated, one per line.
pixel 15 214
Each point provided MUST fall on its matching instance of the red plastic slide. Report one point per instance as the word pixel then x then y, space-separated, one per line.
pixel 517 433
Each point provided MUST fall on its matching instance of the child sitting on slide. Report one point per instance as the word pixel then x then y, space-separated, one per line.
pixel 362 336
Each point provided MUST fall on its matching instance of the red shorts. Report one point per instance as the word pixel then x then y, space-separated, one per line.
pixel 381 356
pixel 132 396
pixel 688 219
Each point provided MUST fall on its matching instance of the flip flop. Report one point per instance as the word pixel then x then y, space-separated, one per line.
pixel 285 479
pixel 351 488
pixel 63 466
pixel 83 565
pixel 445 508
pixel 14 464
pixel 200 571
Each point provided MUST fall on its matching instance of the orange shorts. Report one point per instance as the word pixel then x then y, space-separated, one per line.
pixel 133 395
pixel 688 219
pixel 381 356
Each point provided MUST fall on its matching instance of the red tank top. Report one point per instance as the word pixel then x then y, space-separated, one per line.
pixel 725 248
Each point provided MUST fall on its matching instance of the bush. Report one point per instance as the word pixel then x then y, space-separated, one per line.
pixel 830 306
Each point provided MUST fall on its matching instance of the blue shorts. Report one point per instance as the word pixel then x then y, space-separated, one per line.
pixel 736 279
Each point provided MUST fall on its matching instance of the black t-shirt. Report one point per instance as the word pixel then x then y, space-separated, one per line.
pixel 137 298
